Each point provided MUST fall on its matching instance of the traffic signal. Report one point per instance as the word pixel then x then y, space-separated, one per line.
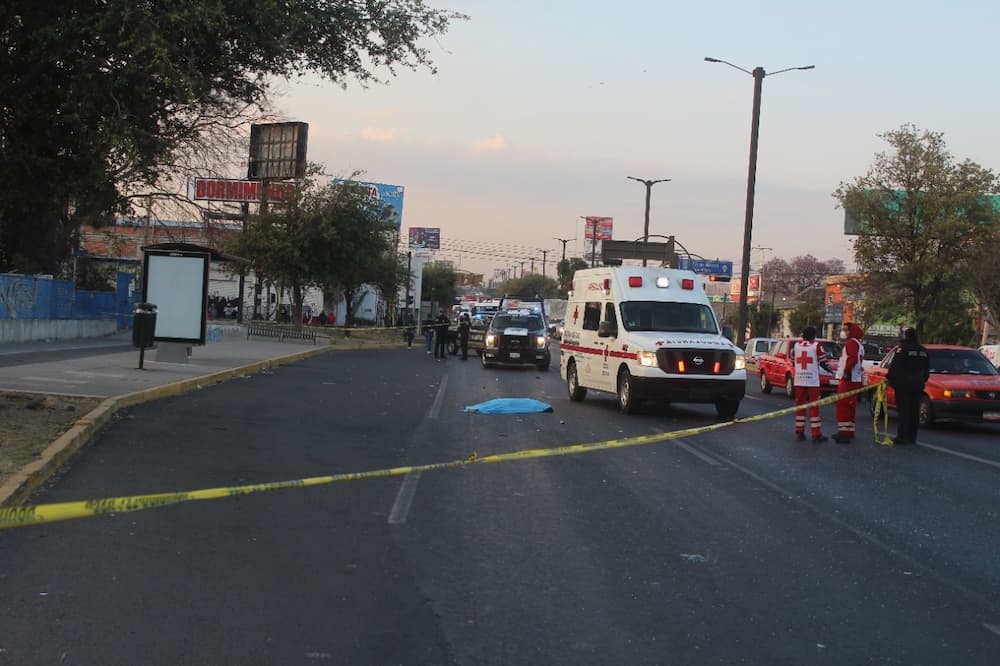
pixel 719 278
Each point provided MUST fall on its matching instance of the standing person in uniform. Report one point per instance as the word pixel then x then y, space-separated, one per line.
pixel 408 332
pixel 464 326
pixel 427 328
pixel 849 376
pixel 441 335
pixel 808 358
pixel 908 372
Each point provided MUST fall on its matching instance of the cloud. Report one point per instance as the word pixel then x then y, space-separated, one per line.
pixel 378 133
pixel 494 144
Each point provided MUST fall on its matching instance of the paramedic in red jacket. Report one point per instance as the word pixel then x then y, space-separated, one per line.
pixel 849 376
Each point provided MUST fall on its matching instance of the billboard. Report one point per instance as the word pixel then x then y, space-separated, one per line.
pixel 243 191
pixel 177 284
pixel 278 151
pixel 599 228
pixel 389 197
pixel 426 238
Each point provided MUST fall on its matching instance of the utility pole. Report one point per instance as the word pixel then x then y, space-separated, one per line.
pixel 564 241
pixel 522 268
pixel 649 189
pixel 532 264
pixel 544 252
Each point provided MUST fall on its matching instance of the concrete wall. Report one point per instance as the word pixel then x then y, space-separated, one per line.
pixel 30 330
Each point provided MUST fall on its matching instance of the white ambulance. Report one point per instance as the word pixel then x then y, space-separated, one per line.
pixel 648 333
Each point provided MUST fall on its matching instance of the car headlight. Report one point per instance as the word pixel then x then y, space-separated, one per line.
pixel 491 340
pixel 741 362
pixel 540 341
pixel 647 359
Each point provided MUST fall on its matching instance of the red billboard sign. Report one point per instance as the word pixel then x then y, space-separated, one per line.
pixel 244 191
pixel 599 228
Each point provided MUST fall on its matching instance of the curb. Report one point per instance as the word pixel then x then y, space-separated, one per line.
pixel 19 487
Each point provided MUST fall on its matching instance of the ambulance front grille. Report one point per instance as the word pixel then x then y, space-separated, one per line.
pixel 696 361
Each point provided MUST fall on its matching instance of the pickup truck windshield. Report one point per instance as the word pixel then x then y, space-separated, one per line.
pixel 668 317
pixel 501 322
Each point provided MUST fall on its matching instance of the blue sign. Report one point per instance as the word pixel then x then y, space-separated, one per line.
pixel 707 266
pixel 390 197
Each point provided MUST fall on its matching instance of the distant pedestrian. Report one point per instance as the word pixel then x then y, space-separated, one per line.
pixel 808 359
pixel 464 326
pixel 908 372
pixel 427 328
pixel 409 332
pixel 441 335
pixel 849 377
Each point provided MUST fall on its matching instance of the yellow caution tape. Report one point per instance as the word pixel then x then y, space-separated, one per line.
pixel 50 513
pixel 881 408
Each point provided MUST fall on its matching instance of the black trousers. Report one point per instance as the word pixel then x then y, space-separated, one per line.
pixel 440 343
pixel 463 343
pixel 908 408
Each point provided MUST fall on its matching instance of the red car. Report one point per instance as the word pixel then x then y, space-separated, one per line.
pixel 775 368
pixel 963 385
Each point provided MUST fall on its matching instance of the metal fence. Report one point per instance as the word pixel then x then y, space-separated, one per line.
pixel 29 297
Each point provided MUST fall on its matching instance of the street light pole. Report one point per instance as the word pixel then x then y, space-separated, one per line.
pixel 564 241
pixel 758 75
pixel 649 189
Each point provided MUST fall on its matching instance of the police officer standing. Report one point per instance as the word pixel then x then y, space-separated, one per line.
pixel 464 326
pixel 441 336
pixel 908 372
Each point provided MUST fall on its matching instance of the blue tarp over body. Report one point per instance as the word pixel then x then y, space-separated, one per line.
pixel 510 406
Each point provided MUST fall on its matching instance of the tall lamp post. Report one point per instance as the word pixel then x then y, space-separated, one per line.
pixel 758 75
pixel 649 188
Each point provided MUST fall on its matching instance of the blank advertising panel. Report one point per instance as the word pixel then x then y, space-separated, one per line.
pixel 177 284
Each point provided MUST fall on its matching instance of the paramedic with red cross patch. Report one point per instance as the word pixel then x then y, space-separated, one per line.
pixel 809 359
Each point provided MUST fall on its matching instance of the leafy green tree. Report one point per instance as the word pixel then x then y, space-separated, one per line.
pixel 565 269
pixel 530 285
pixel 919 212
pixel 99 98
pixel 438 285
pixel 810 312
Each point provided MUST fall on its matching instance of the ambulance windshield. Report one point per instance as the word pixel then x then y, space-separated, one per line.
pixel 669 317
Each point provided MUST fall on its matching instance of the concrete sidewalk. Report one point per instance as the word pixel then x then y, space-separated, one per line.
pixel 117 378
pixel 106 375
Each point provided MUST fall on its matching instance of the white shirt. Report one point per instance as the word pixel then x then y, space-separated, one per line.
pixel 805 360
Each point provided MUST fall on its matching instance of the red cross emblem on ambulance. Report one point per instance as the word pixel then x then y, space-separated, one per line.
pixel 576 314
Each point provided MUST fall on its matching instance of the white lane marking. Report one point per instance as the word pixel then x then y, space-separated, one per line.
pixel 696 453
pixel 438 399
pixel 991 463
pixel 404 498
pixel 992 627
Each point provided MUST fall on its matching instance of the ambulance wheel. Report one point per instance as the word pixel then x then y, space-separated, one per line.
pixel 576 392
pixel 727 407
pixel 789 387
pixel 626 392
pixel 765 386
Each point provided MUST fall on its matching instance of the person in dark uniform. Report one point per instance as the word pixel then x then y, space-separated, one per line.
pixel 464 326
pixel 441 335
pixel 409 331
pixel 908 373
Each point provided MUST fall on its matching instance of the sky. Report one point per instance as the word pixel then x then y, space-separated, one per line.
pixel 540 109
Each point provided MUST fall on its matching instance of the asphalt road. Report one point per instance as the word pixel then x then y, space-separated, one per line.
pixel 737 546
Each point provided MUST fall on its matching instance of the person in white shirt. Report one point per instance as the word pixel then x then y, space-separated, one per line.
pixel 808 360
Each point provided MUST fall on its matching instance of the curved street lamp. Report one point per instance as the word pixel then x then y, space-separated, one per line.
pixel 649 187
pixel 758 75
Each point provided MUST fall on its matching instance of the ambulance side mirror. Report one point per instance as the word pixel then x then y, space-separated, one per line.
pixel 607 329
pixel 728 334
